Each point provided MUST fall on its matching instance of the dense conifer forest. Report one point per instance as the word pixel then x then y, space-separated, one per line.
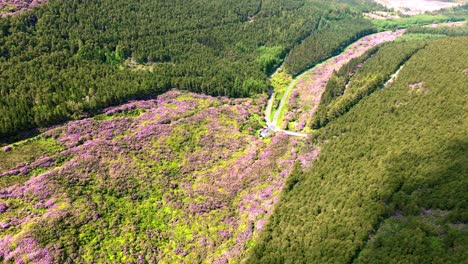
pixel 390 187
pixel 68 58
pixel 447 31
pixel 232 131
pixel 355 81
pixel 329 40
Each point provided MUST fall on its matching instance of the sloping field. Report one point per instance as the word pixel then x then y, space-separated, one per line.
pixel 180 178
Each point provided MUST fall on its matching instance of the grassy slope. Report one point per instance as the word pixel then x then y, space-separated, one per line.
pixel 394 156
pixel 27 151
pixel 280 82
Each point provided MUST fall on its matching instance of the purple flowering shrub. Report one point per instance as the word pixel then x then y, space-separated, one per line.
pixel 12 7
pixel 179 178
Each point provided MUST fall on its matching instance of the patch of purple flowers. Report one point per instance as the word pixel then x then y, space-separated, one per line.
pixel 188 148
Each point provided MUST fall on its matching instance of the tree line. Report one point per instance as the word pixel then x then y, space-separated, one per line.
pixel 346 88
pixel 330 39
pixel 447 31
pixel 68 58
pixel 389 186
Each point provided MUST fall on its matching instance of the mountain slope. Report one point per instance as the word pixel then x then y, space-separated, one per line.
pixel 397 158
pixel 67 59
pixel 180 178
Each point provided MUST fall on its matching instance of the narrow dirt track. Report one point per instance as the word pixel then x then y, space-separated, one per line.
pixel 305 91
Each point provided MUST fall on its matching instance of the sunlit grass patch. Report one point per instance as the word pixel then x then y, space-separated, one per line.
pixel 27 151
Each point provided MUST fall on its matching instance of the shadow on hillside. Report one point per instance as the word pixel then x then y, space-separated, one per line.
pixel 431 187
pixel 436 180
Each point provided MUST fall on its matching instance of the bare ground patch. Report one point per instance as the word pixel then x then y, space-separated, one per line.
pixel 419 87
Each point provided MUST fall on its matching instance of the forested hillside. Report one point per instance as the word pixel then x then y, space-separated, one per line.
pixel 355 81
pixel 390 184
pixel 362 158
pixel 68 58
pixel 329 40
pixel 448 31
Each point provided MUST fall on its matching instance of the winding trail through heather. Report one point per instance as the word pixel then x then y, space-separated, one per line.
pixel 272 124
pixel 311 84
pixel 283 101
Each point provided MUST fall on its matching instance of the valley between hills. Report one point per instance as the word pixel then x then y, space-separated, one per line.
pixel 341 149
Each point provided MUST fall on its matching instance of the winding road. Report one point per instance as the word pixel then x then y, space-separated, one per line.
pixel 325 72
pixel 272 124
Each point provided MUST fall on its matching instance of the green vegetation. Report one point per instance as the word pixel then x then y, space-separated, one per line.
pixel 441 16
pixel 27 151
pixel 23 153
pixel 418 36
pixel 184 181
pixel 343 91
pixel 183 178
pixel 390 184
pixel 127 113
pixel 330 39
pixel 447 31
pixel 405 22
pixel 270 57
pixel 458 12
pixel 336 85
pixel 279 82
pixel 69 58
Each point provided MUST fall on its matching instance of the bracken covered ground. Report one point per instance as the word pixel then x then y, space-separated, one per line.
pixel 179 178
